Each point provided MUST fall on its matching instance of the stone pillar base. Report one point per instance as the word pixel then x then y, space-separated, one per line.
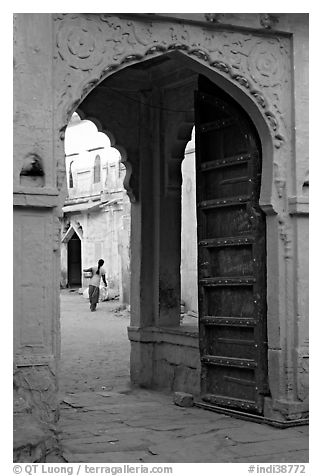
pixel 33 442
pixel 285 411
pixel 165 358
pixel 35 413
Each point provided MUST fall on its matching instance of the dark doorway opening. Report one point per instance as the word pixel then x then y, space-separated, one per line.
pixel 74 263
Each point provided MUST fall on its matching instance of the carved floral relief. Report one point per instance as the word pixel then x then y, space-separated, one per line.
pixel 89 47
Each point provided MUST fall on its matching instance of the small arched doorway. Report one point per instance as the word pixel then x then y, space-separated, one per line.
pixel 74 261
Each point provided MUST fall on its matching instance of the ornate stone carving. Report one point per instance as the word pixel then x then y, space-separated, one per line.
pixel 285 234
pixel 267 63
pixel 81 42
pixel 122 130
pixel 267 20
pixel 213 17
pixel 279 178
pixel 89 47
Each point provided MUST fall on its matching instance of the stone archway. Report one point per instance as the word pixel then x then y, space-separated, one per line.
pixel 59 60
pixel 254 68
pixel 91 47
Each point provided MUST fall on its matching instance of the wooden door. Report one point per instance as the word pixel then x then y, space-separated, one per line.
pixel 231 254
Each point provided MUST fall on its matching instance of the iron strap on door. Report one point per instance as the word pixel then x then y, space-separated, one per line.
pixel 231 254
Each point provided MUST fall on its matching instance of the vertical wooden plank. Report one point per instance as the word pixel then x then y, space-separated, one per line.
pixel 234 360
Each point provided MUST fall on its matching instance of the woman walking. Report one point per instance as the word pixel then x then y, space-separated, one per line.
pixel 98 272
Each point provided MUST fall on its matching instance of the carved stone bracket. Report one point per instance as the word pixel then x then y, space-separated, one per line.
pixel 122 129
pixel 178 128
pixel 90 47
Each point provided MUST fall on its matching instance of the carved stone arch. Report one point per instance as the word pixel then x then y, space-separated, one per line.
pixel 91 47
pixel 271 145
pixel 70 232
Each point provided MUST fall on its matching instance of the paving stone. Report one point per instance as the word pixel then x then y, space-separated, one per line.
pixel 300 456
pixel 198 429
pixel 90 417
pixel 124 407
pixel 244 435
pixel 156 424
pixel 108 421
pixel 122 434
pixel 304 430
pixel 81 432
pixel 185 457
pixel 188 454
pixel 115 457
pixel 54 458
pixel 200 447
pixel 168 433
pixel 271 447
pixel 105 444
pixel 71 402
pixel 183 399
pixel 190 427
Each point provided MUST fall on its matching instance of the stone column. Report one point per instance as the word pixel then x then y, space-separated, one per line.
pixel 299 204
pixel 175 132
pixel 167 222
pixel 288 337
pixel 170 258
pixel 124 249
pixel 143 251
pixel 36 240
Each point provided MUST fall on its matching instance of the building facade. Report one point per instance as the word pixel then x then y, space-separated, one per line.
pixel 96 221
pixel 242 81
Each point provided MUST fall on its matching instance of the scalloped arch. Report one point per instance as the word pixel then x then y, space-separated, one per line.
pixel 119 147
pixel 223 69
pixel 251 104
pixel 100 128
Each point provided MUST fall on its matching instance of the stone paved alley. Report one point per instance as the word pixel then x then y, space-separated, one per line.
pixel 103 419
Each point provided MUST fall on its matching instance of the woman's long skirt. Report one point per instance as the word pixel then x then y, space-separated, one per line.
pixel 93 293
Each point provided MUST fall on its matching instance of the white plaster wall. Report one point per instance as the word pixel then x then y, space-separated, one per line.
pixel 100 240
pixel 102 229
pixel 63 265
pixel 189 284
pixel 35 228
pixel 81 137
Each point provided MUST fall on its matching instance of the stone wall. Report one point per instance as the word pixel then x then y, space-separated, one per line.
pixel 36 241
